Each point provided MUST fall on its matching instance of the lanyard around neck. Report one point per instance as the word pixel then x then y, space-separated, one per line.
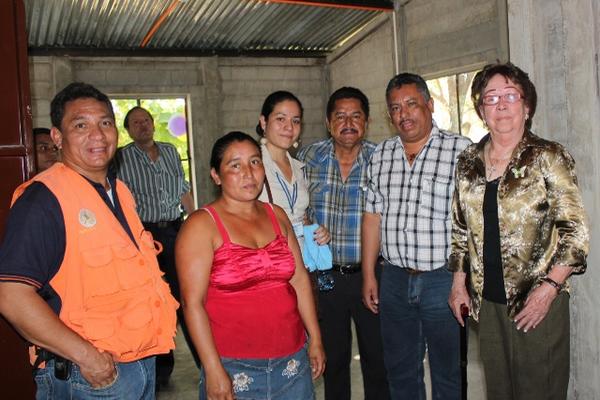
pixel 291 197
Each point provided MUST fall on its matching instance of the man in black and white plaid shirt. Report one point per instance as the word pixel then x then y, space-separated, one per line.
pixel 407 221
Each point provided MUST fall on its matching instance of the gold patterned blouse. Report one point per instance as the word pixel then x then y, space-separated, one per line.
pixel 540 214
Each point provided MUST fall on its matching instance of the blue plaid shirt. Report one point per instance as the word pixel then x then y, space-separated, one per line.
pixel 335 204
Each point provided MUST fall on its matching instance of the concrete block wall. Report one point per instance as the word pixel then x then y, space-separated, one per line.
pixel 224 93
pixel 179 76
pixel 445 37
pixel 435 38
pixel 368 66
pixel 43 88
pixel 246 82
pixel 557 43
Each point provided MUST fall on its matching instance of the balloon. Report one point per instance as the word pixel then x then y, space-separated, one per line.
pixel 177 125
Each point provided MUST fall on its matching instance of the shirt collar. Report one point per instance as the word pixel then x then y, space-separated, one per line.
pixel 363 154
pixel 528 140
pixel 435 132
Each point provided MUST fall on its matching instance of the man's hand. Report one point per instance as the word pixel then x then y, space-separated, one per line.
pixel 322 235
pixel 370 294
pixel 370 241
pixel 100 371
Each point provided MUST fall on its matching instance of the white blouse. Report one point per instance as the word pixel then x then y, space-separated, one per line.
pixel 291 196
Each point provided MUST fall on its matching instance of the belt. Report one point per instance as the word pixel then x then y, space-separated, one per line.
pixel 163 224
pixel 345 269
pixel 411 271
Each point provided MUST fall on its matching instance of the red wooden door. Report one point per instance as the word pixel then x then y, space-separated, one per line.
pixel 16 162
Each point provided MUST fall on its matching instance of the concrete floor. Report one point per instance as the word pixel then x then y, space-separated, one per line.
pixel 184 381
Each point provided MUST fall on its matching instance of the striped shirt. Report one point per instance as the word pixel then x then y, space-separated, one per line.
pixel 157 186
pixel 415 201
pixel 336 204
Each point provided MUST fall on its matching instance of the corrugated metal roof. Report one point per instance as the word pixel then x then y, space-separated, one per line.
pixel 201 25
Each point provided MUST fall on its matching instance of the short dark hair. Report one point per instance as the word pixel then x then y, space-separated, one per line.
pixel 406 78
pixel 41 131
pixel 74 91
pixel 348 92
pixel 514 74
pixel 222 144
pixel 271 101
pixel 126 120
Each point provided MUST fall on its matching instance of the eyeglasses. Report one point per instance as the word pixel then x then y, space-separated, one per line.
pixel 510 98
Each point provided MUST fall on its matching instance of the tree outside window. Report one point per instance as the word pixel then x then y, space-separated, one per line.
pixel 453 108
pixel 170 123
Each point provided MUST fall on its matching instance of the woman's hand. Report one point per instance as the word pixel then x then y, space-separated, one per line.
pixel 536 307
pixel 219 385
pixel 322 235
pixel 316 355
pixel 459 297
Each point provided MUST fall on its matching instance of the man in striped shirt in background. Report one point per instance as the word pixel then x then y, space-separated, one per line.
pixel 407 218
pixel 335 169
pixel 153 172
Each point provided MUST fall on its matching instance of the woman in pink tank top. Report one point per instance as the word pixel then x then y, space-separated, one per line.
pixel 246 295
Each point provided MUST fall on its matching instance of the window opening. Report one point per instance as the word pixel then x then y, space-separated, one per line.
pixel 453 109
pixel 170 123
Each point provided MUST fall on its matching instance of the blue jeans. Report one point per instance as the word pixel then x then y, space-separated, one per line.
pixel 414 313
pixel 282 378
pixel 135 381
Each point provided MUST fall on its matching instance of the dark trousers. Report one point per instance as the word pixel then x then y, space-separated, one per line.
pixel 166 235
pixel 337 308
pixel 519 365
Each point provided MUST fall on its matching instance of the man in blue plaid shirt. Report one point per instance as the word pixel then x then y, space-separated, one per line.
pixel 335 170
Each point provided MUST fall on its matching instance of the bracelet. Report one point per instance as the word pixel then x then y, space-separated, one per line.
pixel 553 283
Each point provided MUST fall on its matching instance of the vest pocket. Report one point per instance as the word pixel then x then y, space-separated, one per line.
pixel 100 277
pixel 123 329
pixel 137 324
pixel 148 241
pixel 131 267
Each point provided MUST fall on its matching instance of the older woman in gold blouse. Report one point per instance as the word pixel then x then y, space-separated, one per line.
pixel 519 232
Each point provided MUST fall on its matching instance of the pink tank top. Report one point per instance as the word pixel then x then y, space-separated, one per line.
pixel 251 305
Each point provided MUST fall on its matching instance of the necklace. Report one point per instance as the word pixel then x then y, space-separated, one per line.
pixel 492 170
pixel 411 157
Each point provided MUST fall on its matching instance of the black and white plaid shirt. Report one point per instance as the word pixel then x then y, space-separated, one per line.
pixel 415 202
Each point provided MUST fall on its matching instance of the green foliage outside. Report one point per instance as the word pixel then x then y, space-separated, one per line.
pixel 162 110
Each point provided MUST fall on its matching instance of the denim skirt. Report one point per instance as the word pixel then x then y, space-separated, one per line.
pixel 268 379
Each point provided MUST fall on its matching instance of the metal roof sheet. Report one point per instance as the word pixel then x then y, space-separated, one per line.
pixel 212 26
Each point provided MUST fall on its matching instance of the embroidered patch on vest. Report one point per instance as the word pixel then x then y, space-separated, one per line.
pixel 87 218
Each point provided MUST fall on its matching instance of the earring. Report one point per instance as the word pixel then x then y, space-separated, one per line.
pixel 263 141
pixel 295 145
pixel 526 117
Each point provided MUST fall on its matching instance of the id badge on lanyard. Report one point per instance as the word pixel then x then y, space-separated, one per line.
pixel 298 229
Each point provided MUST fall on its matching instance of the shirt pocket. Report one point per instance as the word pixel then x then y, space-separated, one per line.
pixel 436 197
pixel 355 199
pixel 319 192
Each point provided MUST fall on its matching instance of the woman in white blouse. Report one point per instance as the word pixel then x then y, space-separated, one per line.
pixel 279 126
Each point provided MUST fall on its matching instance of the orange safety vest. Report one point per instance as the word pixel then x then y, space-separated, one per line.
pixel 112 292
